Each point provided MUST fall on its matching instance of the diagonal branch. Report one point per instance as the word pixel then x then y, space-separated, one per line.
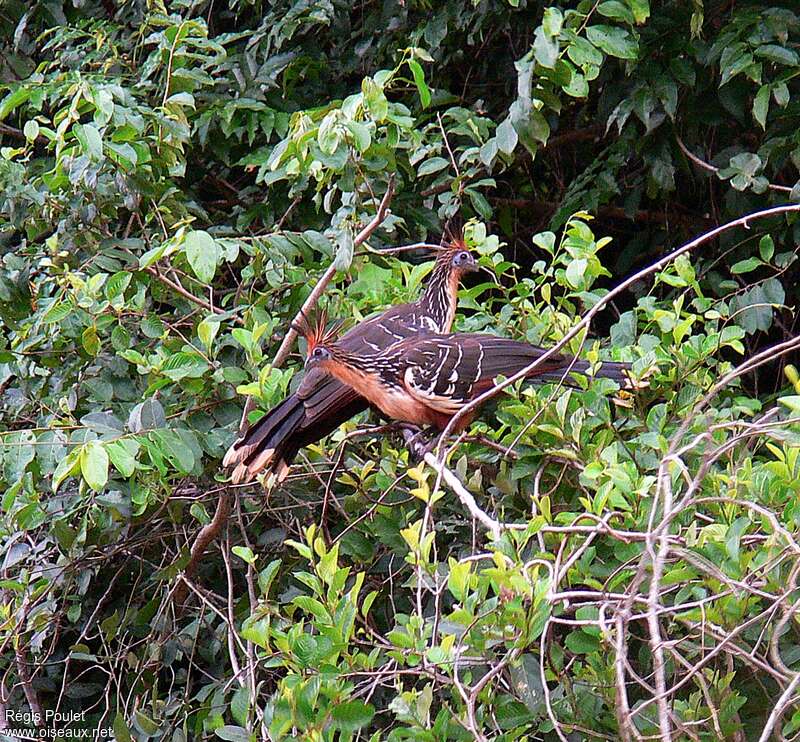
pixel 187 294
pixel 209 532
pixel 314 296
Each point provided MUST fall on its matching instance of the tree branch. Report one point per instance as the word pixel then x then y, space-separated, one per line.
pixel 187 294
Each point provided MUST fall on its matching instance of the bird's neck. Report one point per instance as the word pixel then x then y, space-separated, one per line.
pixel 360 373
pixel 441 296
pixel 342 362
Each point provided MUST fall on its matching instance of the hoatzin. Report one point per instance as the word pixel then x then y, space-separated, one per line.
pixel 427 379
pixel 321 402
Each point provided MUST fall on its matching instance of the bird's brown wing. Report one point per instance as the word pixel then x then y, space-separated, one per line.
pixel 448 371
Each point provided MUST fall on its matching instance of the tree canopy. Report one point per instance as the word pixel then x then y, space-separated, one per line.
pixel 176 177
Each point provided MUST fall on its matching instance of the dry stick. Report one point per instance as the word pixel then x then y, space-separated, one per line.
pixel 780 706
pixel 206 535
pixel 623 706
pixel 187 294
pixel 210 531
pixel 467 500
pixel 27 686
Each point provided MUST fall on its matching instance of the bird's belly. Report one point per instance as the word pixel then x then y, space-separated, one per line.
pixel 395 403
pixel 400 406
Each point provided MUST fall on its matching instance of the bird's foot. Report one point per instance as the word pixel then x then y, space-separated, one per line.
pixel 417 443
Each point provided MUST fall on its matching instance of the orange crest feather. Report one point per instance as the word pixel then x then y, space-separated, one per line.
pixel 452 242
pixel 316 331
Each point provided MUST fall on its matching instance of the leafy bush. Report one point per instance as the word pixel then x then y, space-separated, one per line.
pixel 176 177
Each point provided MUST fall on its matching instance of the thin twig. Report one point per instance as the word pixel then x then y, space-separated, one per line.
pixel 467 500
pixel 188 295
pixel 714 169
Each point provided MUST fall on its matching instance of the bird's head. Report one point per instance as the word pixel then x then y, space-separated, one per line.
pixel 320 340
pixel 460 259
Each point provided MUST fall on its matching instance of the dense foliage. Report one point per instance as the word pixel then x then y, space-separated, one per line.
pixel 174 178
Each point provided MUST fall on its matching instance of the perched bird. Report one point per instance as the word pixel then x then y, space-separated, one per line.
pixel 322 402
pixel 427 379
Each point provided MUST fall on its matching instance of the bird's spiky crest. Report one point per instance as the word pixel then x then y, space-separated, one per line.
pixel 316 331
pixel 452 242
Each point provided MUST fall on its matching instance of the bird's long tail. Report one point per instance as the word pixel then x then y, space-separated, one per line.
pixel 264 445
pixel 502 356
pixel 271 443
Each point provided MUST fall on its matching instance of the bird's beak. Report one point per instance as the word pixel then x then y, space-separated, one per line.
pixel 472 266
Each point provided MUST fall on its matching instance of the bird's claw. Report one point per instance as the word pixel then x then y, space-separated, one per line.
pixel 418 445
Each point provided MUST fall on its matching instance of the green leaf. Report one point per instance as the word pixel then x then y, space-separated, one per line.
pixel 552 21
pixel 90 140
pixel 352 715
pixel 328 135
pixel 232 733
pixel 13 100
pixel 745 266
pixel 617 10
pixel 182 365
pixel 245 553
pixel 90 341
pixel 761 106
pixel 19 450
pixel 766 248
pixel 121 731
pixel 778 54
pixel 146 415
pixel 31 130
pixel 780 92
pixel 207 330
pixel 506 137
pixel 267 575
pixel 419 81
pixel 152 327
pixel 640 10
pixel 116 285
pixel 575 273
pixel 256 630
pixel 792 402
pixel 123 454
pixel 175 448
pixel 145 724
pixel 240 705
pixel 545 48
pixel 361 135
pixel 67 467
pixel 104 423
pixel 579 642
pixel 203 254
pixel 344 250
pixel 58 311
pixel 617 42
pixel 94 465
pixel 432 165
